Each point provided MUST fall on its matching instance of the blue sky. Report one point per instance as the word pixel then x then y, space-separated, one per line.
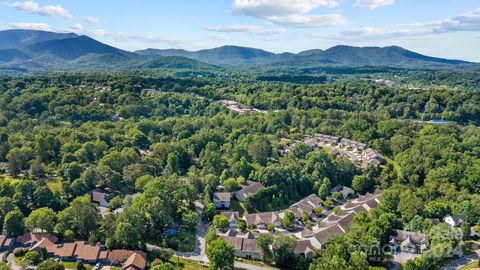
pixel 444 28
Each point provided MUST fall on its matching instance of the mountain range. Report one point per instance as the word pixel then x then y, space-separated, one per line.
pixel 31 49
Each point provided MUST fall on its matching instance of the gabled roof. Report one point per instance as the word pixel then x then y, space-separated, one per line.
pixel 236 242
pixel 121 255
pixel 345 191
pixel 136 260
pixel 232 216
pixel 303 246
pixel 346 221
pixel 65 250
pixel 458 219
pixel 32 238
pixel 98 196
pixel 409 239
pixel 251 187
pixel 324 235
pixel 44 243
pixel 250 246
pixel 309 203
pixel 86 252
pixel 261 218
pixel 222 196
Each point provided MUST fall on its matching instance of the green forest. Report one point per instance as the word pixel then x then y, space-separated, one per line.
pixel 164 143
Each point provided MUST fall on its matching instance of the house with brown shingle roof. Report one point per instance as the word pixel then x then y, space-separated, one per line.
pixel 86 252
pixel 247 190
pixel 233 218
pixel 120 256
pixel 101 197
pixel 306 205
pixel 221 200
pixel 30 239
pixel 304 248
pixel 137 261
pixel 321 237
pixel 236 243
pixel 261 220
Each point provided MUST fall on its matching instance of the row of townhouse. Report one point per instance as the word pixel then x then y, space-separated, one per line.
pixel 338 223
pixel 262 220
pixel 353 147
pixel 245 245
pixel 76 251
pixel 222 200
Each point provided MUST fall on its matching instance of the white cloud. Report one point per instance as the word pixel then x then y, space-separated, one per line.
pixel 373 4
pixel 219 38
pixel 293 13
pixel 305 21
pixel 30 26
pixel 158 41
pixel 97 33
pixel 245 28
pixel 92 19
pixel 35 8
pixel 77 27
pixel 469 21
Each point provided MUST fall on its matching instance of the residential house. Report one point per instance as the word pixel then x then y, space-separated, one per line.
pixel 6 243
pixel 304 248
pixel 306 205
pixel 345 191
pixel 233 218
pixel 373 157
pixel 409 242
pixel 236 243
pixel 30 239
pixel 322 236
pixel 455 220
pixel 261 220
pixel 101 197
pixel 327 139
pixel 137 261
pixel 247 190
pixel 250 249
pixel 312 142
pixel 119 256
pixel 222 199
pixel 245 246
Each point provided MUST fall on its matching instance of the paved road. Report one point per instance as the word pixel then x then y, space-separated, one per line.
pixel 459 263
pixel 11 261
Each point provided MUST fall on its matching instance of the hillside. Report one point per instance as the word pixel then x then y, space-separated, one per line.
pixel 26 49
pixel 223 56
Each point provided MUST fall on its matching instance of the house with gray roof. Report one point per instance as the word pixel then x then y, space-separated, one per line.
pixel 410 242
pixel 247 190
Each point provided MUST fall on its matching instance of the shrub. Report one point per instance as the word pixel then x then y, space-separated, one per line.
pixel 19 252
pixel 33 257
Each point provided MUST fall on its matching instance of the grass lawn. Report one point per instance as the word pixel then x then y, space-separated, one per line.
pixel 73 265
pixel 187 264
pixel 472 265
pixel 258 263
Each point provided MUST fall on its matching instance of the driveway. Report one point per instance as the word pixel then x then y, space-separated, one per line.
pixel 459 263
pixel 11 261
